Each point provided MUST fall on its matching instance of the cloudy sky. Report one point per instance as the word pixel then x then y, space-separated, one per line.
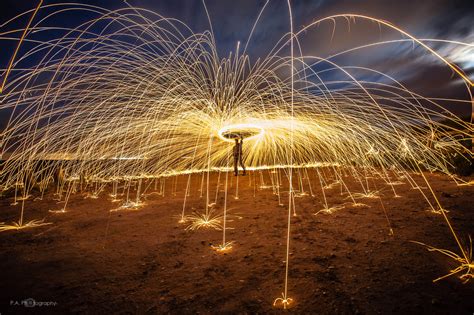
pixel 232 21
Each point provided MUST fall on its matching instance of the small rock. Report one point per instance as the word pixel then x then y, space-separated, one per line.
pixel 447 195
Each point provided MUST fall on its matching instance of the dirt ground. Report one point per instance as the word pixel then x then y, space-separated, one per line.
pixel 91 260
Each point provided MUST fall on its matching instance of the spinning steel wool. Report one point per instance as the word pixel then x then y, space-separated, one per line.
pixel 131 97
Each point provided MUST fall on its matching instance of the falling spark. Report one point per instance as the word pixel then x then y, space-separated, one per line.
pixel 204 221
pixel 146 98
pixel 465 264
pixel 21 226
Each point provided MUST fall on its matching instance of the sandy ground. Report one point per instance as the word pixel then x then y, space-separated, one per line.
pixel 91 260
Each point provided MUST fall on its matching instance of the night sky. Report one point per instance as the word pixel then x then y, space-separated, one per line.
pixel 232 21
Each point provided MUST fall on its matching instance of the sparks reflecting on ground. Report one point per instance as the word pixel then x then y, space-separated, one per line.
pixel 203 221
pixel 131 101
pixel 21 226
pixel 284 302
pixel 465 264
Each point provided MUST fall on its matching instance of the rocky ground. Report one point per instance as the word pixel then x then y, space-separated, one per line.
pixel 91 260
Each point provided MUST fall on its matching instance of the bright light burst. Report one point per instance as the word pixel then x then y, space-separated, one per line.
pixel 131 96
pixel 203 221
pixel 131 93
pixel 367 194
pixel 284 302
pixel 330 210
pixel 21 226
pixel 129 205
pixel 465 268
pixel 223 248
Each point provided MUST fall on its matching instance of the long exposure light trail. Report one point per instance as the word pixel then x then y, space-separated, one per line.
pixel 130 98
pixel 12 60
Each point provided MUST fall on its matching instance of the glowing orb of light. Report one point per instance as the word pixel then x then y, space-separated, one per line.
pixel 246 131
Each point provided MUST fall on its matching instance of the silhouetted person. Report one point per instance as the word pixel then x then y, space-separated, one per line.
pixel 238 156
pixel 59 175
